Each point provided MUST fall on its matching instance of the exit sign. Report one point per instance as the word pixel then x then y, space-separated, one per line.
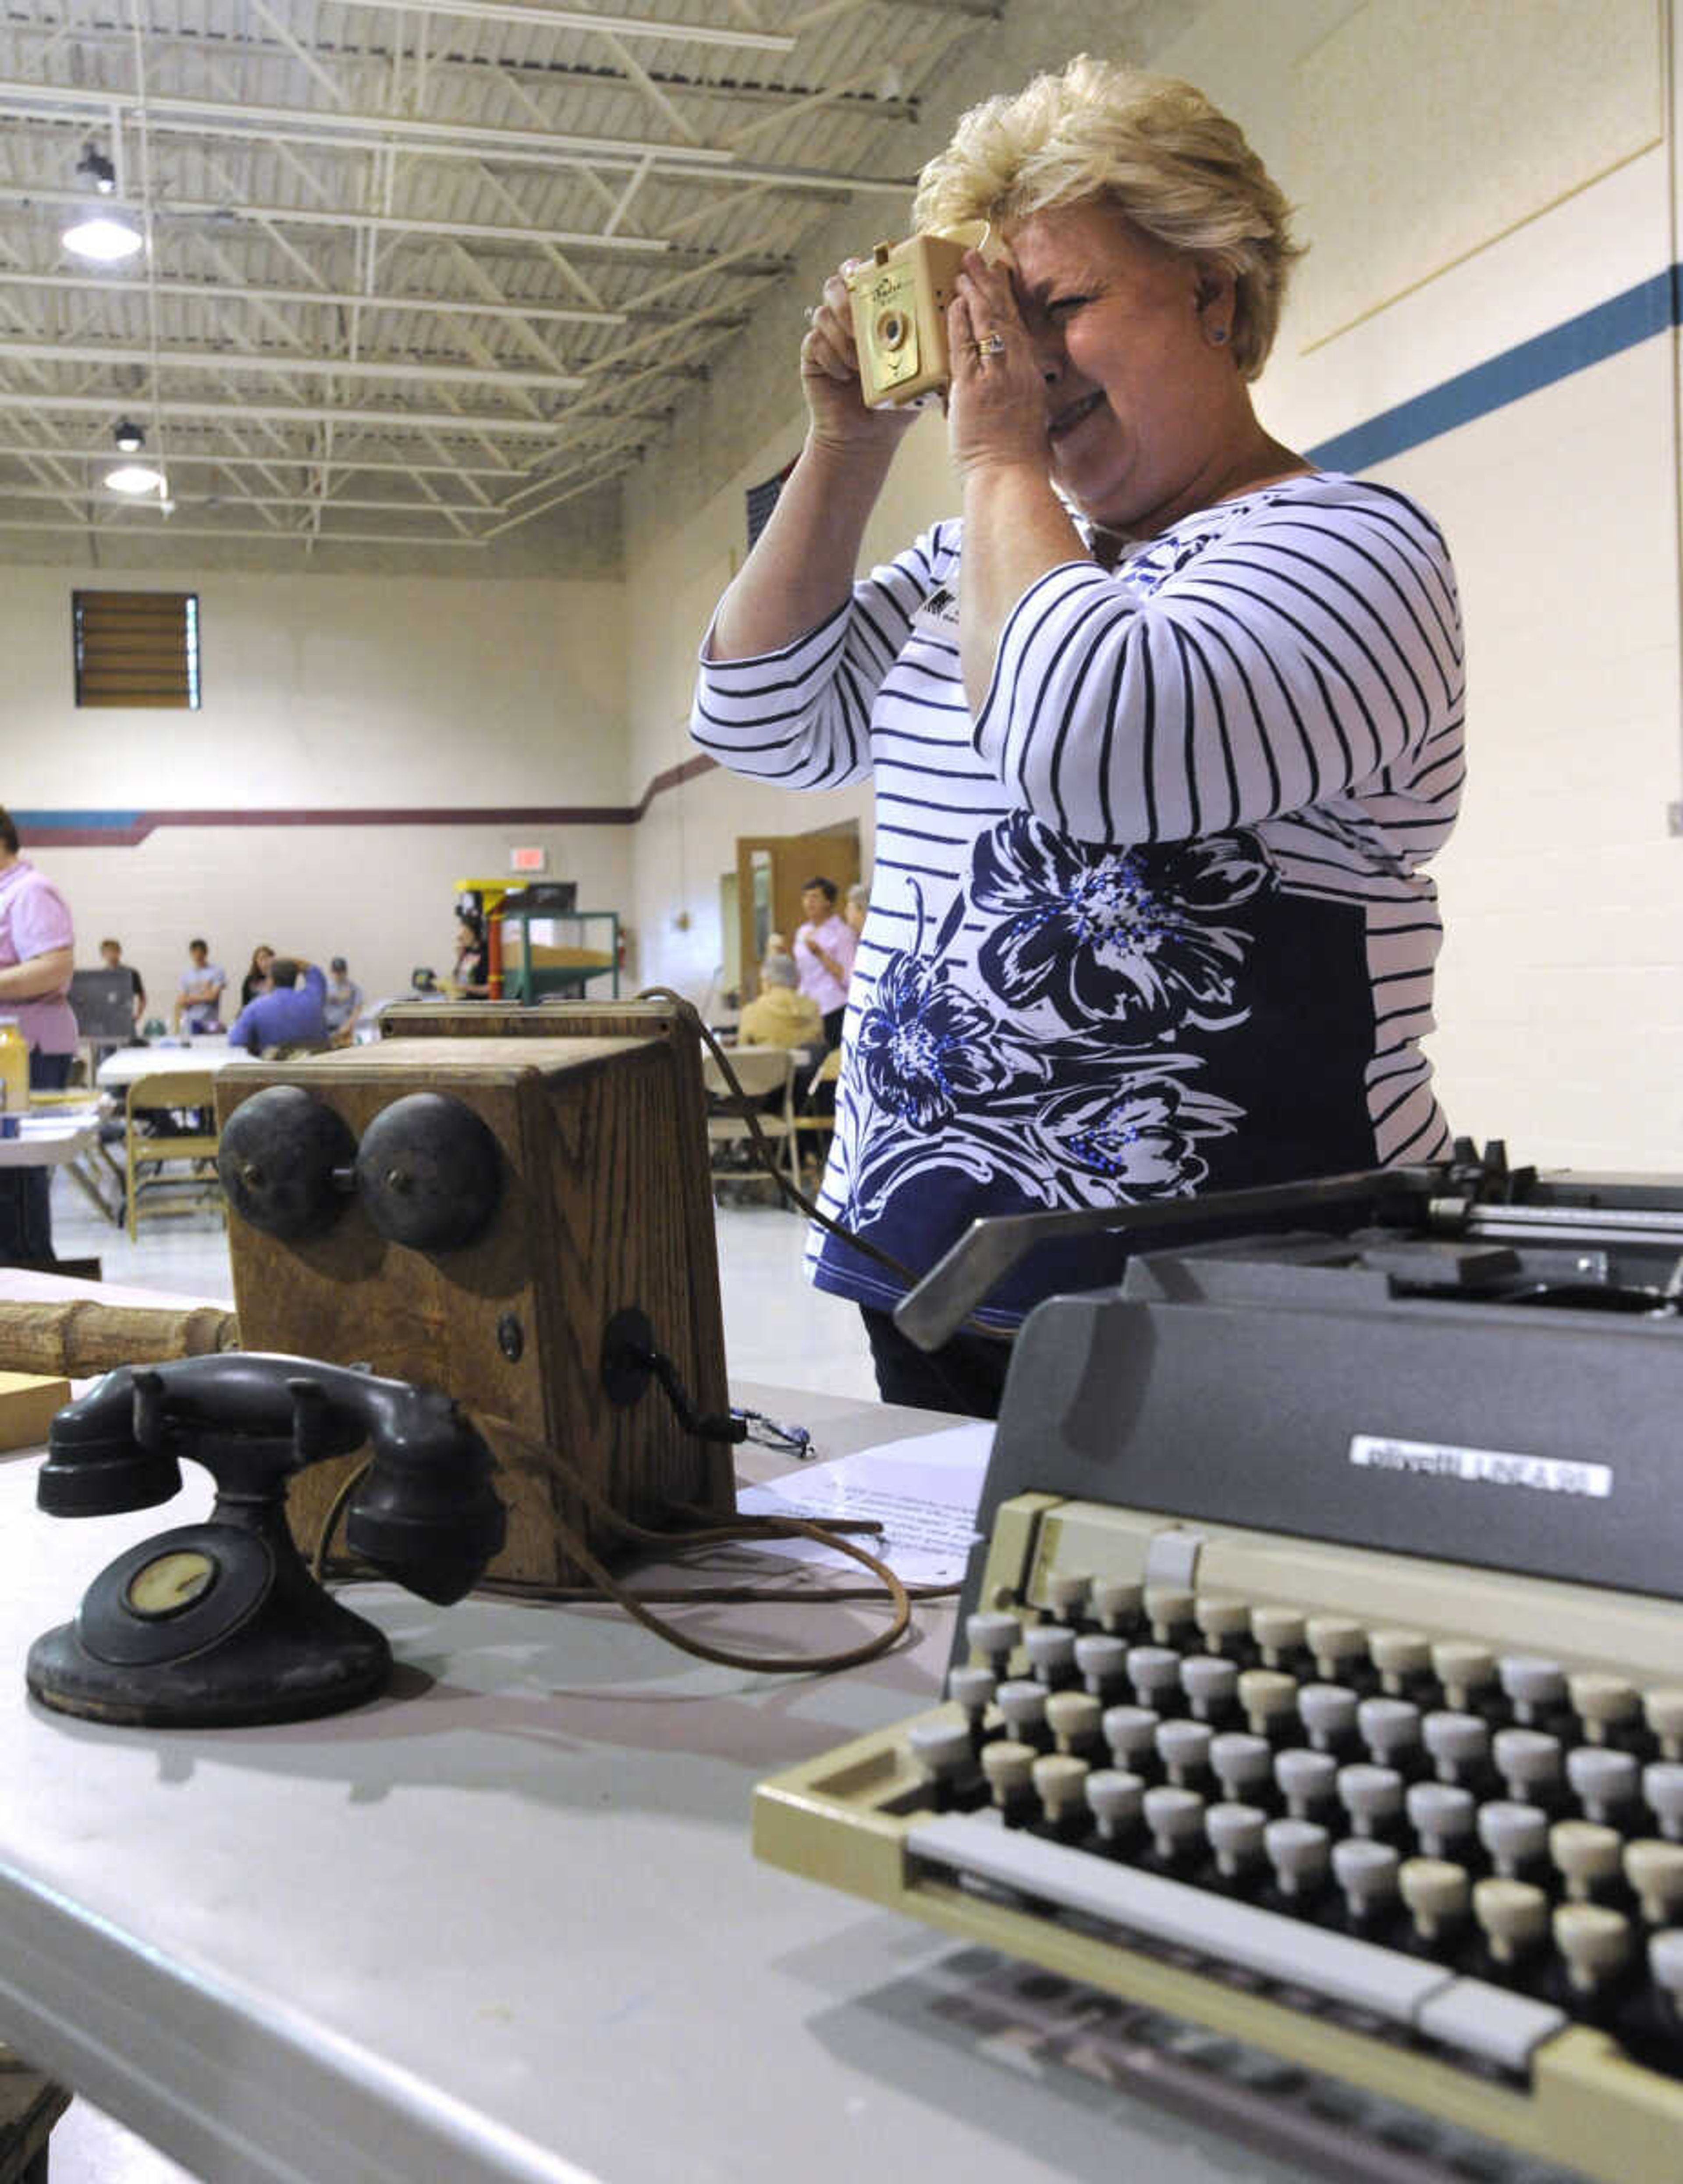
pixel 528 860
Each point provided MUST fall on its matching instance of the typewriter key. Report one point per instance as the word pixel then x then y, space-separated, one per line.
pixel 1532 1686
pixel 1298 1850
pixel 1279 1633
pixel 1241 1762
pixel 1461 1669
pixel 1072 1718
pixel 1458 1743
pixel 1234 1835
pixel 1307 1781
pixel 1436 1893
pixel 1595 1942
pixel 1401 1657
pixel 1514 1916
pixel 1654 1872
pixel 1366 1874
pixel 1603 1782
pixel 1663 1791
pixel 1662 1711
pixel 1335 1643
pixel 1371 1796
pixel 1602 1703
pixel 1514 1837
pixel 1328 1714
pixel 1442 1817
pixel 1586 1855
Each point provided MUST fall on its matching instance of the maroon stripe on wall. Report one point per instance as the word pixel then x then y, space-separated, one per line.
pixel 492 815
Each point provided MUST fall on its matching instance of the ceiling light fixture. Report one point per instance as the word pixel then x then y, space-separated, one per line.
pixel 103 239
pixel 134 477
pixel 106 237
pixel 93 167
pixel 129 437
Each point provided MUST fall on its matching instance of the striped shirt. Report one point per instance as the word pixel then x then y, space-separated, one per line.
pixel 1154 920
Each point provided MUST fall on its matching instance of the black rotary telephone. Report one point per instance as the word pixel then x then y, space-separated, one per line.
pixel 221 1624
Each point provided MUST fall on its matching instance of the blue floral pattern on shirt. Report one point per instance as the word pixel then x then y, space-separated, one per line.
pixel 1048 1061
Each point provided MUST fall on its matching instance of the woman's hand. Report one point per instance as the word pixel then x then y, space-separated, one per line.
pixel 830 376
pixel 995 415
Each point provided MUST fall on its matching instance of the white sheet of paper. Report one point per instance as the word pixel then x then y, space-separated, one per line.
pixel 924 1492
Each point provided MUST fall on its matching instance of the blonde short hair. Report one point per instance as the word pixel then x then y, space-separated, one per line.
pixel 1155 148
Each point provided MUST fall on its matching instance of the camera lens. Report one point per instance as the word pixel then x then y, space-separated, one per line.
pixel 891 329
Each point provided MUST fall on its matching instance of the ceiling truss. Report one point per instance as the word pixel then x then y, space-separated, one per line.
pixel 417 272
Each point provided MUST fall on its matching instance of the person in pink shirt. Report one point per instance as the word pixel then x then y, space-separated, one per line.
pixel 824 947
pixel 37 952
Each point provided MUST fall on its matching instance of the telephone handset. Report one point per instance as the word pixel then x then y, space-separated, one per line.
pixel 220 1623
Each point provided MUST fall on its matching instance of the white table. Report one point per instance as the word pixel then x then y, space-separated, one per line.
pixel 127 1065
pixel 503 1926
pixel 61 1137
pixel 51 1139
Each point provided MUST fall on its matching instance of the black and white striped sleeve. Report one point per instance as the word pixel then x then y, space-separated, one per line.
pixel 802 714
pixel 1312 651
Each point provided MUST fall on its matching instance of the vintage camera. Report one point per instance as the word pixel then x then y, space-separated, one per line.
pixel 900 295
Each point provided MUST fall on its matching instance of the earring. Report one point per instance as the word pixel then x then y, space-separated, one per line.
pixel 1218 335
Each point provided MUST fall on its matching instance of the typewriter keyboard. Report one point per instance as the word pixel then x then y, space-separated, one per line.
pixel 1461 1852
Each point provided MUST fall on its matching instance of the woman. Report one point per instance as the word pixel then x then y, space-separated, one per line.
pixel 257 979
pixel 471 975
pixel 38 951
pixel 1155 777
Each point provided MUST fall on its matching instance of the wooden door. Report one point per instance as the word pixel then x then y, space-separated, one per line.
pixel 771 869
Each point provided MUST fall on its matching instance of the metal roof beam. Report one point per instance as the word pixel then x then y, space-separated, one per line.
pixel 448 139
pixel 837 94
pixel 576 19
pixel 179 460
pixel 242 291
pixel 751 263
pixel 284 367
pixel 364 59
pixel 239 412
pixel 111 525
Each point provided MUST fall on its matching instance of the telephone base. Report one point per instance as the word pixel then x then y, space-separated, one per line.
pixel 209 1626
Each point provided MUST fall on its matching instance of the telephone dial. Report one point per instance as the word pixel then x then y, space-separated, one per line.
pixel 221 1623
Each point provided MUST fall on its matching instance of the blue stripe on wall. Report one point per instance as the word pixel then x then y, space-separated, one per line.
pixel 1618 323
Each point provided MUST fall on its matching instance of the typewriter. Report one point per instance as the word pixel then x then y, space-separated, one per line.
pixel 1319 1677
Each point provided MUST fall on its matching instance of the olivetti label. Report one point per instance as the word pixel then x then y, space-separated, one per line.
pixel 1485 1467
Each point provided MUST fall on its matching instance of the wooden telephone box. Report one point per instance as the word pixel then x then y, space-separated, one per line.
pixel 470 1203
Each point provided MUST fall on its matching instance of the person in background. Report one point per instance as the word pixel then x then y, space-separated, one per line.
pixel 37 952
pixel 823 956
pixel 854 910
pixel 343 1003
pixel 780 1015
pixel 198 1001
pixel 1160 766
pixel 111 956
pixel 258 979
pixel 291 1014
pixel 471 976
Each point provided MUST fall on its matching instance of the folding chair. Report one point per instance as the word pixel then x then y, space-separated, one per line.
pixel 760 1070
pixel 822 1125
pixel 148 1153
